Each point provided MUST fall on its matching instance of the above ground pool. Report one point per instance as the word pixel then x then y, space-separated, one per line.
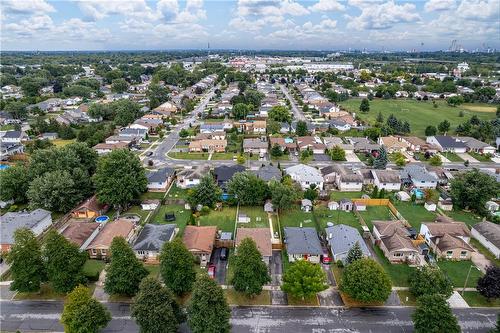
pixel 4 166
pixel 418 193
pixel 102 219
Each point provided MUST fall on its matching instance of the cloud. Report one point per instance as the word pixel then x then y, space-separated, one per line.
pixel 480 10
pixel 27 6
pixel 97 9
pixel 270 7
pixel 327 6
pixel 383 16
pixel 436 5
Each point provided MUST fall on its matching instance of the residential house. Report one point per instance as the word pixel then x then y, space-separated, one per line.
pixel 268 173
pixel 251 126
pixel 200 242
pixel 13 137
pixel 166 109
pixel 286 144
pixel 447 144
pixel 339 124
pixel 106 148
pixel 208 145
pixel 363 145
pixel 159 180
pixel 49 136
pixel 148 124
pixel 395 241
pixel 99 247
pixel 37 221
pixel 10 149
pixel 81 233
pixel 261 237
pixel 389 180
pixel 255 146
pixel 215 127
pixel 476 146
pixel 416 144
pixel 129 140
pixel 448 239
pixel 89 209
pixel 150 241
pixel 333 141
pixel 488 234
pixel 133 132
pixel 344 180
pixel 302 244
pixel 417 176
pixel 393 144
pixel 312 143
pixel 341 238
pixel 190 177
pixel 306 176
pixel 224 173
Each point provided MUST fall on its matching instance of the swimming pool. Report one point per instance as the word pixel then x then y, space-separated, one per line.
pixel 418 193
pixel 4 166
pixel 102 219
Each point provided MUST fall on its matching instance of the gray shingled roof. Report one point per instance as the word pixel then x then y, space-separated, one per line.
pixel 490 231
pixel 417 173
pixel 160 175
pixel 269 172
pixel 449 142
pixel 153 236
pixel 302 241
pixel 343 238
pixel 15 220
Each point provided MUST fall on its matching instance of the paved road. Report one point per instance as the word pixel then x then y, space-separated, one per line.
pixel 297 113
pixel 29 316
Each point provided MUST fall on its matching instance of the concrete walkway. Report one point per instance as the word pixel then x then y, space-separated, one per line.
pixel 443 159
pixel 456 301
pixel 99 292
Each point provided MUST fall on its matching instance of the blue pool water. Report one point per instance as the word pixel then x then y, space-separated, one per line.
pixel 288 140
pixel 4 166
pixel 418 193
pixel 102 218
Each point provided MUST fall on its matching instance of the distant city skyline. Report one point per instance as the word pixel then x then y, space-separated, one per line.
pixel 250 25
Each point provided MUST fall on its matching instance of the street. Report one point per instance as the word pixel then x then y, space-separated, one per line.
pixel 297 114
pixel 43 316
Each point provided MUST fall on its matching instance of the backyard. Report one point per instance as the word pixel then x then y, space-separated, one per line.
pixel 177 193
pixel 295 217
pixel 376 213
pixel 258 218
pixel 323 216
pixel 420 113
pixel 336 195
pixel 224 219
pixel 181 216
pixel 468 218
pixel 415 214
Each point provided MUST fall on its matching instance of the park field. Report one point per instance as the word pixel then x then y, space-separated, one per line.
pixel 420 114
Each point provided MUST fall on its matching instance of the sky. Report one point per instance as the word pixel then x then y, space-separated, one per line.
pixel 48 25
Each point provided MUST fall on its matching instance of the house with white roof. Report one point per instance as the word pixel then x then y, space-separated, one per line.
pixel 305 175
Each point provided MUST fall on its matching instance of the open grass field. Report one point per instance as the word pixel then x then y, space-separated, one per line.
pixel 181 216
pixel 376 213
pixel 468 218
pixel 457 272
pixel 420 114
pixel 415 214
pixel 177 193
pixel 235 298
pixel 152 195
pixel 294 217
pixel 93 267
pixel 336 195
pixel 188 156
pixel 224 219
pixel 480 157
pixel 258 218
pixel 452 157
pixel 61 142
pixel 323 216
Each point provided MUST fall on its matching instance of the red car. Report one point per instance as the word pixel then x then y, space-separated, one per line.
pixel 325 258
pixel 211 271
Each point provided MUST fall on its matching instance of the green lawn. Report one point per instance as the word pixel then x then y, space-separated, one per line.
pixel 362 157
pixel 181 216
pixel 323 216
pixel 474 242
pixel 258 218
pixel 475 299
pixel 188 156
pixel 177 193
pixel 415 214
pixel 399 273
pixel 61 142
pixel 480 157
pixel 152 195
pixel 294 217
pixel 452 157
pixel 154 270
pixel 457 272
pixel 235 298
pixel 376 213
pixel 468 218
pixel 137 210
pixel 336 195
pixel 223 156
pixel 93 267
pixel 224 219
pixel 419 113
pixel 285 157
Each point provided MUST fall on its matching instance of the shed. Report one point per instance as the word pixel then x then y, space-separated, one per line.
pixel 268 207
pixel 306 205
pixel 359 206
pixel 243 218
pixel 430 206
pixel 403 196
pixel 492 206
pixel 333 205
pixel 345 205
pixel 150 204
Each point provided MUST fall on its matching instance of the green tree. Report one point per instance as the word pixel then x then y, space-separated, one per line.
pixel 365 280
pixel 430 280
pixel 311 193
pixel 275 151
pixel 301 128
pixel 380 118
pixel 444 126
pixel 119 86
pixel 240 159
pixel 282 196
pixel 280 114
pixel 250 272
pixel 155 309
pixel 206 193
pixel 184 133
pixel 26 263
pixel 17 110
pixel 435 160
pixel 430 130
pixel 119 178
pixel 489 284
pixel 471 190
pixel 337 154
pixel 241 110
pixel 304 279
pixel 125 271
pixel 248 189
pixel 273 127
pixel 365 105
pixel 355 253
pixel 125 111
pixel 433 315
pixel 208 311
pixel 381 160
pixel 15 183
pixel 84 314
pixel 177 267
pixel 64 262
pixel 157 95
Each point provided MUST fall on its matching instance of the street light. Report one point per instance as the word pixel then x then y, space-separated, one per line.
pixel 467 278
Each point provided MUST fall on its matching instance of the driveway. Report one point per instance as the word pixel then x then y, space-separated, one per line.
pixel 467 157
pixel 330 297
pixel 351 157
pixel 329 275
pixel 480 261
pixel 276 268
pixel 220 267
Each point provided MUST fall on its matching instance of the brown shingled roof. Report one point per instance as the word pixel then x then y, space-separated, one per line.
pixel 448 242
pixel 199 238
pixel 118 228
pixel 261 236
pixel 79 232
pixel 439 229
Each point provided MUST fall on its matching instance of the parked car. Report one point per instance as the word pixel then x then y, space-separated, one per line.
pixel 325 258
pixel 211 271
pixel 149 153
pixel 430 258
pixel 223 253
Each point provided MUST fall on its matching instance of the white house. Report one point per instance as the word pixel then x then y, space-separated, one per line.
pixel 305 175
pixel 160 179
pixel 447 144
pixel 488 234
pixel 191 177
pixel 12 137
pixel 389 180
pixel 419 177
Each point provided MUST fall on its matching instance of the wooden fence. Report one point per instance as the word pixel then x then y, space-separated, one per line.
pixel 372 202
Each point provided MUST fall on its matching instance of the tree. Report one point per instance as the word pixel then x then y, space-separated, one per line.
pixel 273 127
pixel 280 113
pixel 206 193
pixel 119 178
pixel 15 183
pixel 155 309
pixel 282 196
pixel 125 271
pixel 84 314
pixel 184 133
pixel 119 86
pixel 355 253
pixel 471 190
pixel 157 95
pixel 489 284
pixel 365 280
pixel 241 110
pixel 248 189
pixel 381 160
pixel 365 105
pixel 380 118
pixel 455 100
pixel 208 311
pixel 177 267
pixel 430 130
pixel 435 160
pixel 433 315
pixel 301 128
pixel 400 161
pixel 64 262
pixel 337 154
pixel 444 126
pixel 250 272
pixel 26 263
pixel 429 280
pixel 275 151
pixel 54 191
pixel 311 193
pixel 304 279
pixel 17 110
